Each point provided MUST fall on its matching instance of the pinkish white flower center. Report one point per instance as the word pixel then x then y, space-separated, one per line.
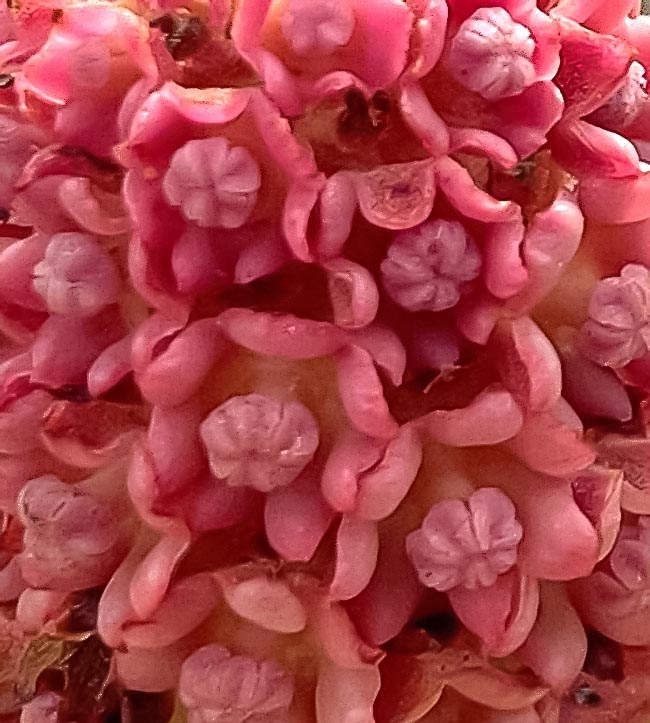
pixel 77 276
pixel 428 267
pixel 214 184
pixel 259 442
pixel 467 544
pixel 618 328
pixel 492 54
pixel 218 687
pixel 317 27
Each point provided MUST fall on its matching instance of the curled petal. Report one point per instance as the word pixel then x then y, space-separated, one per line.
pixel 528 364
pixel 92 209
pixel 501 615
pixel 492 417
pixel 36 608
pixel 197 264
pixel 357 547
pixel 281 335
pixel 178 372
pixel 353 293
pixel 353 454
pixel 385 347
pixel 505 274
pixel 186 605
pixel 547 444
pixel 262 257
pixel 429 35
pixel 423 120
pixel 476 140
pixel 458 186
pixel 382 488
pixel 616 200
pixel 396 196
pixel 362 394
pixel 110 367
pixel 557 645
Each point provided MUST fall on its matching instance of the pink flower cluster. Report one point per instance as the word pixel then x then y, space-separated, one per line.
pixel 321 320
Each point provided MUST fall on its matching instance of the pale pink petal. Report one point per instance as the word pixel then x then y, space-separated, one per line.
pixel 266 602
pixel 492 417
pixel 423 120
pixel 362 394
pixel 557 645
pixel 36 608
pixel 505 274
pixel 386 349
pixel 528 364
pixel 110 367
pixel 281 335
pixel 151 670
pixel 357 547
pixel 296 519
pixel 382 488
pixel 345 695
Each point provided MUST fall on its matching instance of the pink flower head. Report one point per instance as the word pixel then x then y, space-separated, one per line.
pixel 258 441
pixel 498 65
pixel 77 276
pixel 303 48
pixel 618 328
pixel 99 51
pixel 467 544
pixel 428 266
pixel 72 540
pixel 492 54
pixel 214 183
pixel 219 687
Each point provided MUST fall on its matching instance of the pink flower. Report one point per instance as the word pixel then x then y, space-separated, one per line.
pixel 213 183
pixel 219 687
pixel 259 441
pixel 76 276
pixel 99 52
pixel 428 266
pixel 72 540
pixel 618 331
pixel 492 55
pixel 467 545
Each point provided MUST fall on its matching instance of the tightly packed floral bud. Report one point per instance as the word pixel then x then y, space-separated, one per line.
pixel 492 54
pixel 259 441
pixel 218 687
pixel 429 266
pixel 618 328
pixel 468 544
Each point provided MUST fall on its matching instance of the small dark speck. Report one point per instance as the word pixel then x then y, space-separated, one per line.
pixel 584 695
pixel 6 80
pixel 57 14
pixel 4 215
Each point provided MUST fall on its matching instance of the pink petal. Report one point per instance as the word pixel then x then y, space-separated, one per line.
pixel 483 143
pixel 501 615
pixel 296 519
pixel 83 203
pixel 266 602
pixel 353 293
pixel 362 394
pixel 505 274
pixel 546 444
pixel 386 349
pixel 616 200
pixel 528 364
pixel 110 367
pixel 345 695
pixel 429 35
pixel 152 670
pixel 357 547
pixel 353 453
pixel 382 488
pixel 178 372
pixel 37 608
pixel 492 417
pixel 281 335
pixel 557 645
pixel 459 188
pixel 423 120
pixel 187 604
